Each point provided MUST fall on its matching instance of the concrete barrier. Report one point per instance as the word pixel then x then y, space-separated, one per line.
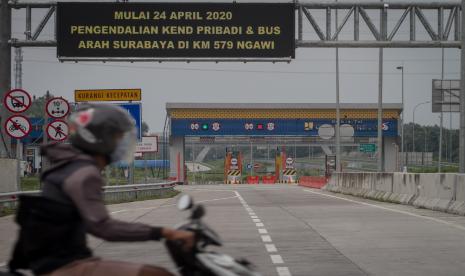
pixel 9 176
pixel 441 192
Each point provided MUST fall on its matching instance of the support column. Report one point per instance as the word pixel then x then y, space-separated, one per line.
pixel 177 158
pixel 5 71
pixel 391 154
pixel 462 98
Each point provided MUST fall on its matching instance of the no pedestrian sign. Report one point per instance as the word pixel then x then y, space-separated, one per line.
pixel 57 130
pixel 17 126
pixel 17 100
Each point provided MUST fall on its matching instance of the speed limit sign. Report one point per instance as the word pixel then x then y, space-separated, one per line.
pixel 57 107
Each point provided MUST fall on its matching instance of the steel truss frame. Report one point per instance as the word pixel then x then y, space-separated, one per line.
pixel 439 37
pixel 447 33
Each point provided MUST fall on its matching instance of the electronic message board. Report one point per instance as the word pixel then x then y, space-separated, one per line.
pixel 175 30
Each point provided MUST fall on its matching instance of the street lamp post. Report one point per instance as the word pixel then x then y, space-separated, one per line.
pixel 402 116
pixel 413 128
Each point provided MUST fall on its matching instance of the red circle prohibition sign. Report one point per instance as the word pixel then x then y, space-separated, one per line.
pixel 16 101
pixel 17 126
pixel 58 130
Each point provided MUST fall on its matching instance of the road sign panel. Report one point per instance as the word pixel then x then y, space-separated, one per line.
pixel 114 95
pixel 18 126
pixel 17 100
pixel 367 148
pixel 57 130
pixel 135 110
pixel 175 30
pixel 148 144
pixel 57 107
pixel 249 166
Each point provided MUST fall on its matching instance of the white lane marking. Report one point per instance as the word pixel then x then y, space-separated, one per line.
pixel 256 220
pixel 266 238
pixel 271 247
pixel 262 231
pixel 392 210
pixel 283 271
pixel 168 205
pixel 277 259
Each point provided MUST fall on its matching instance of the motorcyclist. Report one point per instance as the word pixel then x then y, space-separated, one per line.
pixel 53 226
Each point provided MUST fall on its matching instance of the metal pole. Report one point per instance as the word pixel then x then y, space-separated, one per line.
pixel 251 159
pixel 462 98
pixel 380 98
pixel 402 118
pixel 18 84
pixel 441 117
pixel 338 108
pixel 5 72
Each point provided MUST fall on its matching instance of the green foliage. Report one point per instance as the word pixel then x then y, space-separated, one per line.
pixel 431 133
pixel 145 128
pixel 37 108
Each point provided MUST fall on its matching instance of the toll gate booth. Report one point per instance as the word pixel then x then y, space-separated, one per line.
pixel 315 121
pixel 233 167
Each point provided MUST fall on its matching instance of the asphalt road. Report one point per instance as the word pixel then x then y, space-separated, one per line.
pixel 289 230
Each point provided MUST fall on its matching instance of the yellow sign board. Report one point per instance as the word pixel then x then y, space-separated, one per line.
pixel 106 95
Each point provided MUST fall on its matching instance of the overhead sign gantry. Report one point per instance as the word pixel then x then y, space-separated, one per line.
pixel 175 31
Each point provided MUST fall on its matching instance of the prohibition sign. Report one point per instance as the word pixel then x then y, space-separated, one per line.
pixel 57 130
pixel 57 107
pixel 18 126
pixel 17 100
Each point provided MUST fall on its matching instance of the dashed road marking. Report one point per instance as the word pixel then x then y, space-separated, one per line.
pixel 283 271
pixel 277 259
pixel 262 231
pixel 271 247
pixel 266 238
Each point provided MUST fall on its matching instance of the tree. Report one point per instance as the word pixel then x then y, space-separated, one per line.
pixel 145 128
pixel 37 109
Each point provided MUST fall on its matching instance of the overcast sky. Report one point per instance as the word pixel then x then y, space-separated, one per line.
pixel 308 78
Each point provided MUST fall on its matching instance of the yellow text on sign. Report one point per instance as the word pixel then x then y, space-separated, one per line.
pixel 107 95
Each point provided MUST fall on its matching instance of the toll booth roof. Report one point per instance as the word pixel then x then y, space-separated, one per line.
pixel 287 106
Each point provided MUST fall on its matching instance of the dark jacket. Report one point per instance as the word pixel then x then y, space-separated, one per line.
pixel 53 226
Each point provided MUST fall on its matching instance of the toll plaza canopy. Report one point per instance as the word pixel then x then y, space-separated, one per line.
pixel 269 119
pixel 278 119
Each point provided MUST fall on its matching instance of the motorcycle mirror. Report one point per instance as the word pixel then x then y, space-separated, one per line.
pixel 185 202
pixel 199 212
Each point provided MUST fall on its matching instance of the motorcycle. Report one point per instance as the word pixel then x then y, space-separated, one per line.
pixel 199 260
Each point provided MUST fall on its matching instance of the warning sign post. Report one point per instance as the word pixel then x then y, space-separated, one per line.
pixel 17 126
pixel 57 130
pixel 57 107
pixel 17 101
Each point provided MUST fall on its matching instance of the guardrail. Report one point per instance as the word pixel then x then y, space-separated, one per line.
pixel 112 194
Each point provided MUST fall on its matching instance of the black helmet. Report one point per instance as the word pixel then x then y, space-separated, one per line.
pixel 103 129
